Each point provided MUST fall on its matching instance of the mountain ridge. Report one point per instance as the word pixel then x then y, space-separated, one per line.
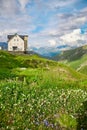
pixel 75 58
pixel 72 54
pixel 50 51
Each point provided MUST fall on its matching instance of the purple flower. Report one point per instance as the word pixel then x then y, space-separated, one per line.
pixel 46 123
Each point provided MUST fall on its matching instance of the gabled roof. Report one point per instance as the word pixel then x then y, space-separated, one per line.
pixel 11 36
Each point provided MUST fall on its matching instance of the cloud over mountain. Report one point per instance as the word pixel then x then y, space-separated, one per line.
pixel 47 22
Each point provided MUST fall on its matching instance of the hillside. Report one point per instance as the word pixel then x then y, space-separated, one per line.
pixel 71 55
pixel 14 65
pixel 36 93
pixel 80 64
pixel 76 58
pixel 11 61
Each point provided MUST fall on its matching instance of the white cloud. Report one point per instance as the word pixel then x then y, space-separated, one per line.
pixel 56 4
pixel 71 37
pixel 64 23
pixel 4 33
pixel 52 42
pixel 23 3
pixel 74 38
pixel 60 28
pixel 8 32
pixel 8 7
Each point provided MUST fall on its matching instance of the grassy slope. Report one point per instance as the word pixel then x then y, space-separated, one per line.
pixel 43 95
pixel 9 62
pixel 80 65
pixel 24 65
pixel 76 58
pixel 72 55
pixel 76 64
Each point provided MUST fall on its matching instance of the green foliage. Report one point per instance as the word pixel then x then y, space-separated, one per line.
pixel 32 106
pixel 7 60
pixel 39 94
pixel 6 73
pixel 9 63
pixel 76 64
pixel 83 70
pixel 72 55
pixel 82 116
pixel 67 121
pixel 75 58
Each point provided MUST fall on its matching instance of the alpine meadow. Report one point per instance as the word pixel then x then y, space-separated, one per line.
pixel 43 64
pixel 40 94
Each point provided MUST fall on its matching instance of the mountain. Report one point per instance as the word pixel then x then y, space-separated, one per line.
pixel 72 54
pixel 76 58
pixel 50 51
pixel 46 51
pixel 3 45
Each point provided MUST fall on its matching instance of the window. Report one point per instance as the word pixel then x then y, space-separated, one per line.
pixel 15 48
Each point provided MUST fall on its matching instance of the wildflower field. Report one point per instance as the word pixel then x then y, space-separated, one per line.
pixel 41 103
pixel 53 97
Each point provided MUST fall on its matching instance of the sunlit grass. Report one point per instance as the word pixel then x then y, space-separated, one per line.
pixel 41 99
pixel 38 94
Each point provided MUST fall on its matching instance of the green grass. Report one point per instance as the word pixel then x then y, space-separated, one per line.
pixel 71 55
pixel 83 70
pixel 80 65
pixel 39 94
pixel 9 63
pixel 75 58
pixel 41 103
pixel 76 64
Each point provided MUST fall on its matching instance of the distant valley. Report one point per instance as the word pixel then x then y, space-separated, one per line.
pixel 51 51
pixel 30 85
pixel 76 58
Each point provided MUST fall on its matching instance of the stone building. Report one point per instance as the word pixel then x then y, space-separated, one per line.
pixel 17 43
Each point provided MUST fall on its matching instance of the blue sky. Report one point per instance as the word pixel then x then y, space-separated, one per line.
pixel 47 22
